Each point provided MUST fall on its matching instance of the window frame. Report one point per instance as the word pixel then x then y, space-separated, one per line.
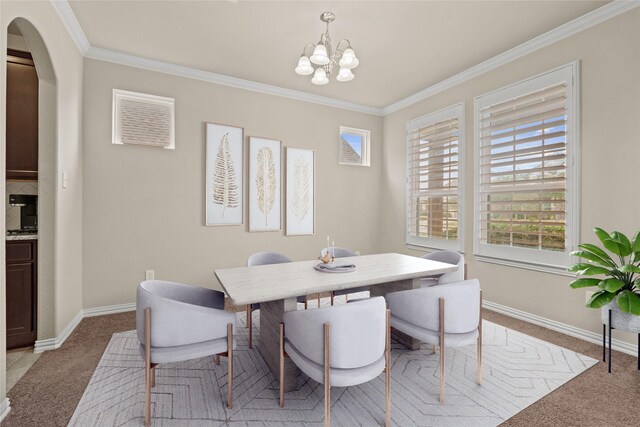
pixel 365 158
pixel 536 259
pixel 428 243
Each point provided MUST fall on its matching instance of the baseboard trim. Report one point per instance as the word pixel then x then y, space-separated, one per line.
pixel 572 331
pixel 5 407
pixel 54 343
pixel 109 309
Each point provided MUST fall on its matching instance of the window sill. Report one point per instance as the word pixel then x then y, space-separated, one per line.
pixel 429 249
pixel 543 268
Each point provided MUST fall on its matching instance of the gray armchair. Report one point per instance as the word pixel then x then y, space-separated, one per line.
pixel 339 346
pixel 178 322
pixel 421 314
pixel 343 253
pixel 265 258
pixel 449 257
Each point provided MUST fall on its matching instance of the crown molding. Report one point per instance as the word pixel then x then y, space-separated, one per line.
pixel 73 26
pixel 588 20
pixel 221 79
pixel 595 17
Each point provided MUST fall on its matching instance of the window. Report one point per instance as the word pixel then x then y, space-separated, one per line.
pixel 143 119
pixel 526 180
pixel 354 146
pixel 434 180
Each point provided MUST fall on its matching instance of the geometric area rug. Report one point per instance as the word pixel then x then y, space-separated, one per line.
pixel 518 370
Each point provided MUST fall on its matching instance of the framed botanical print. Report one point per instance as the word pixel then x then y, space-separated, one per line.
pixel 265 184
pixel 300 183
pixel 224 166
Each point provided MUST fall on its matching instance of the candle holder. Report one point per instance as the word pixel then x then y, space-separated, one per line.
pixel 327 258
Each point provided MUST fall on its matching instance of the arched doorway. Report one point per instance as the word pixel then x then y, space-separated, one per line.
pixel 23 36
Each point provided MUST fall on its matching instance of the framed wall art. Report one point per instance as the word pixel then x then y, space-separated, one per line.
pixel 224 163
pixel 265 184
pixel 300 183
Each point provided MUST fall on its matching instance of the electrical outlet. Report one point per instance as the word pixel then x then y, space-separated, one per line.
pixel 149 274
pixel 589 295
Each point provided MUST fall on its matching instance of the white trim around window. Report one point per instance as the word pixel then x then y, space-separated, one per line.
pixel 448 191
pixel 553 170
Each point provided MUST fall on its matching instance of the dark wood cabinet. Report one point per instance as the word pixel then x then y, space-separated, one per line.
pixel 21 293
pixel 22 117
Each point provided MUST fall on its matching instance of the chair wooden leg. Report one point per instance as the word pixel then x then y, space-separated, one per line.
pixel 441 350
pixel 435 348
pixel 250 323
pixel 230 363
pixel 318 299
pixel 306 302
pixel 248 312
pixel 282 365
pixel 327 378
pixel 332 297
pixel 216 359
pixel 387 369
pixel 479 367
pixel 147 364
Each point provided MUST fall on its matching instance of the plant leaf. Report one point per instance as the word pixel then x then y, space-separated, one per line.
pixel 623 243
pixel 589 269
pixel 602 235
pixel 225 187
pixel 266 181
pixel 611 285
pixel 629 268
pixel 636 242
pixel 629 302
pixel 596 251
pixel 616 247
pixel 301 202
pixel 592 257
pixel 584 283
pixel 600 299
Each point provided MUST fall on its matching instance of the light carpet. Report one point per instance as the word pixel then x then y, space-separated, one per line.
pixel 518 370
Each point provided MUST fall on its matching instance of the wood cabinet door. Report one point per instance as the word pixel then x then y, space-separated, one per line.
pixel 21 303
pixel 22 117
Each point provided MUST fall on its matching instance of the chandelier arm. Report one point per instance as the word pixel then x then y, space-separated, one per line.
pixel 304 49
pixel 342 50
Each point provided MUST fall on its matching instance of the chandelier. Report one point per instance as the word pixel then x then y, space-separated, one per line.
pixel 324 58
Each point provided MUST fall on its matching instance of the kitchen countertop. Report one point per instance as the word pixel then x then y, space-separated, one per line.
pixel 22 237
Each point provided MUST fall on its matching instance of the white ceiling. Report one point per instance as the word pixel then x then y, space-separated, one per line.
pixel 403 46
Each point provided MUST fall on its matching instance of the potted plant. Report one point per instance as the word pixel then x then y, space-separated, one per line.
pixel 619 290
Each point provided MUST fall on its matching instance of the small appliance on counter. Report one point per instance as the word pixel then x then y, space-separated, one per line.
pixel 28 213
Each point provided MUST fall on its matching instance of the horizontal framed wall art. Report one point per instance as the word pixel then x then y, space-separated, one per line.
pixel 300 184
pixel 265 175
pixel 224 166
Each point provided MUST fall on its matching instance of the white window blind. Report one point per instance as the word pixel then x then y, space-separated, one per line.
pixel 434 192
pixel 143 119
pixel 525 210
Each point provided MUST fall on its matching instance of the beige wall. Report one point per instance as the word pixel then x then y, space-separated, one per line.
pixel 144 207
pixel 67 63
pixel 610 70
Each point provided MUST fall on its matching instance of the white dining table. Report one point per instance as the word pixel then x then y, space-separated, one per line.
pixel 277 286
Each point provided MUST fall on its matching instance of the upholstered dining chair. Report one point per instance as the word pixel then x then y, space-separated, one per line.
pixel 449 257
pixel 177 322
pixel 342 253
pixel 339 346
pixel 265 258
pixel 441 315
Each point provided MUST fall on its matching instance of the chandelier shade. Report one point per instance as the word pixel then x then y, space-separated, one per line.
pixel 319 56
pixel 304 67
pixel 320 59
pixel 320 77
pixel 345 75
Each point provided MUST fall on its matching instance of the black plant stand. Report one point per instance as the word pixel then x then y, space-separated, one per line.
pixel 604 343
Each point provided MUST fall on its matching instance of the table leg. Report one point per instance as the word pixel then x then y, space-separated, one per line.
pixel 403 285
pixel 270 317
